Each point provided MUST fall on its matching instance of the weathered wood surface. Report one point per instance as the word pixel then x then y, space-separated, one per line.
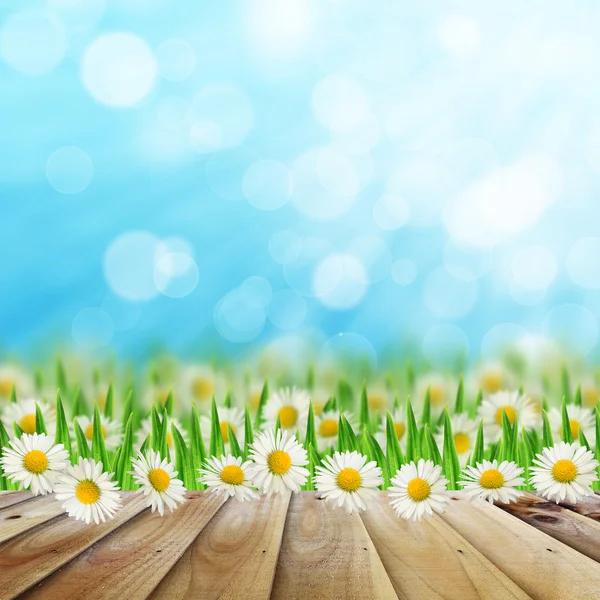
pixel 301 547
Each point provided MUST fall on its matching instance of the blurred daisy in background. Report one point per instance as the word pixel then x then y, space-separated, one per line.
pixel 564 471
pixel 490 378
pixel 34 462
pixel 399 419
pixel 230 476
pixel 493 482
pixel 464 432
pixel 199 383
pixel 87 493
pixel 580 419
pixel 440 388
pixel 514 404
pixel 12 376
pixel 232 417
pixel 590 392
pixel 319 398
pixel 280 462
pixel 418 490
pixel 379 398
pixel 111 430
pixel 347 479
pixel 158 480
pixel 24 414
pixel 291 406
pixel 326 427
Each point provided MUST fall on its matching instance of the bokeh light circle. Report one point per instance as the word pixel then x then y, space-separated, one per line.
pixel 238 317
pixel 500 338
pixel 299 273
pixel 572 325
pixel 444 344
pixel 176 274
pixel 92 328
pixel 124 314
pixel 460 36
pixel 534 268
pixel 340 281
pixel 33 42
pixel 176 60
pixel 582 263
pixel 374 256
pixel 257 290
pixel 129 264
pixel 391 212
pixel 448 297
pixel 267 184
pixel 69 170
pixel 404 271
pixel 287 309
pixel 225 172
pixel 285 246
pixel 466 263
pixel 118 69
pixel 78 16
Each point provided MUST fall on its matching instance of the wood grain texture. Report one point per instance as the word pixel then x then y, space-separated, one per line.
pixel 571 528
pixel 10 498
pixel 540 565
pixel 326 553
pixel 20 517
pixel 430 561
pixel 28 558
pixel 234 556
pixel 588 507
pixel 131 561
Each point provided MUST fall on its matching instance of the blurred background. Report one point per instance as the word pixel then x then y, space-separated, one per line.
pixel 307 176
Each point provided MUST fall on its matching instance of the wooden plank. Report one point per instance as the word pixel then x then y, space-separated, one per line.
pixel 540 565
pixel 327 553
pixel 588 507
pixel 131 561
pixel 10 498
pixel 28 558
pixel 571 528
pixel 18 518
pixel 430 561
pixel 234 556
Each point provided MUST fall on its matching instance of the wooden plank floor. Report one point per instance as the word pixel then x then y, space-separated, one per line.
pixel 300 547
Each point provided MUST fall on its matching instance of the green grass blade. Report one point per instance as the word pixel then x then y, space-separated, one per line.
pixel 567 435
pixel 459 407
pixel 109 406
pixel 123 459
pixel 264 396
pixel 451 464
pixel 311 433
pixel 234 446
pixel 394 452
pixel 62 428
pixel 83 450
pixel 217 446
pixel 198 449
pixel 99 452
pixel 183 460
pixel 412 435
pixel 478 452
pixel 40 425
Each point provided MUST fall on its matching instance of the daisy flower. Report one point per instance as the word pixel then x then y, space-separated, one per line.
pixel 12 376
pixel 319 399
pixel 230 476
pixel 491 481
pixel 158 480
pixel 199 383
pixel 399 419
pixel 464 431
pixel 146 429
pixel 378 398
pixel 88 493
pixel 579 419
pixel 280 461
pixel 345 480
pixel 291 406
pixel 326 427
pixel 439 394
pixel 418 490
pixel 111 430
pixel 234 417
pixel 490 378
pixel 23 412
pixel 564 471
pixel 590 393
pixel 514 405
pixel 35 462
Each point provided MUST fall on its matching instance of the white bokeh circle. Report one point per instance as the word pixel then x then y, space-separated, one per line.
pixel 176 60
pixel 340 281
pixel 267 184
pixel 69 170
pixel 285 246
pixel 445 344
pixel 118 69
pixel 176 274
pixel 391 212
pixel 573 325
pixel 534 268
pixel 404 271
pixel 287 309
pixel 582 263
pixel 92 328
pixel 448 297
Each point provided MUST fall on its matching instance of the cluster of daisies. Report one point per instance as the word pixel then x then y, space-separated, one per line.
pixel 277 464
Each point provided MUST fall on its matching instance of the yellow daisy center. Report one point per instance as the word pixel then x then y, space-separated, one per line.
pixel 376 401
pixel 159 479
pixel 437 395
pixel 491 479
pixel 418 489
pixel 169 440
pixel 511 413
pixel 225 432
pixel 6 387
pixel 255 399
pixel 288 416
pixel 400 429
pixel 462 442
pixel 318 408
pixel 574 428
pixel 564 470
pixel 35 461
pixel 590 396
pixel 349 479
pixel 87 492
pixel 491 382
pixel 202 388
pixel 232 475
pixel 279 462
pixel 328 428
pixel 27 423
pixel 89 431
